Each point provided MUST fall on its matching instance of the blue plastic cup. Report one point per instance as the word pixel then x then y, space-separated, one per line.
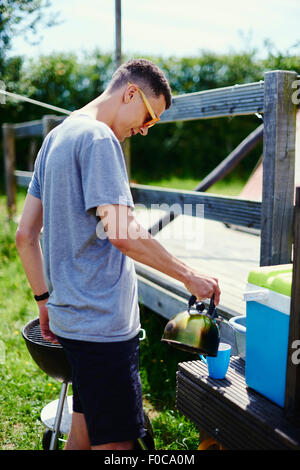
pixel 218 366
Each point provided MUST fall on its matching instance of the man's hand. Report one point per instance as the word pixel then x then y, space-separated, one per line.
pixel 44 323
pixel 203 286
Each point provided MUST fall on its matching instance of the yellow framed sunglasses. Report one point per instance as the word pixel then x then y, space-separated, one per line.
pixel 154 119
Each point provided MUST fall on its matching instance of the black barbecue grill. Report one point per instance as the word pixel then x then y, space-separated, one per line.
pixel 51 358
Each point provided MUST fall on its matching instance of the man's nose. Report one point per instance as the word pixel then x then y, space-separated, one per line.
pixel 143 131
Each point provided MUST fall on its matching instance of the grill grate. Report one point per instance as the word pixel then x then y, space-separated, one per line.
pixel 33 334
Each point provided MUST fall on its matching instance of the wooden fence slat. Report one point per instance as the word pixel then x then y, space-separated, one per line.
pixel 228 210
pixel 278 168
pixel 224 209
pixel 34 128
pixel 236 100
pixel 9 162
pixel 28 129
pixel 23 178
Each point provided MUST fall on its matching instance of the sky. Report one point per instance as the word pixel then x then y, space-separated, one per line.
pixel 169 27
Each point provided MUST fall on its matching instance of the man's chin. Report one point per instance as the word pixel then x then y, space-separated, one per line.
pixel 121 139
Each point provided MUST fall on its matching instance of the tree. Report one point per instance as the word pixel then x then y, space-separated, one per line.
pixel 182 149
pixel 22 17
pixel 18 17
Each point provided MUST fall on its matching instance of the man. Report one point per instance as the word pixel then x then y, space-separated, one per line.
pixel 85 284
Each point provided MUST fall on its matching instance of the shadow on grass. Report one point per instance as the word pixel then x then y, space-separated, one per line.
pixel 158 366
pixel 158 362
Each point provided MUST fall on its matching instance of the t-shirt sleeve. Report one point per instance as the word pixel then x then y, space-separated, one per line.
pixel 103 174
pixel 34 186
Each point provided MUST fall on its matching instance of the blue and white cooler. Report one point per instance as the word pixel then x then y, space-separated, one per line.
pixel 268 299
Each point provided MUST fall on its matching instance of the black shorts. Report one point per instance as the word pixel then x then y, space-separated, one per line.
pixel 107 388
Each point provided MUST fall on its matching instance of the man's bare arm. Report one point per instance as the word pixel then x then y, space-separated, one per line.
pixel 28 245
pixel 124 232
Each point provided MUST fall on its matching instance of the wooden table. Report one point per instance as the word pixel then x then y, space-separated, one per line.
pixel 208 246
pixel 235 415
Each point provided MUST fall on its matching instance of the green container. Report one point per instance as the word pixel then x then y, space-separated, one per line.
pixel 276 278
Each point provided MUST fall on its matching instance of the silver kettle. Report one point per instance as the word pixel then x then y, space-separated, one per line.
pixel 194 331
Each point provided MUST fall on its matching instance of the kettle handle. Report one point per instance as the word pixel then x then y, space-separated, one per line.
pixel 191 301
pixel 211 309
pixel 212 312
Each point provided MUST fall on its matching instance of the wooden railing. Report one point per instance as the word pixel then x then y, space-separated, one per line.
pixel 271 98
pixel 225 209
pixel 237 100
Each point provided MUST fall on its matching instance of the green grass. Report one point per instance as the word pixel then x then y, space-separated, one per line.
pixel 158 373
pixel 25 389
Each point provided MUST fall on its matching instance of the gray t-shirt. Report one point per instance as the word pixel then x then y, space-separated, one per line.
pixel 92 285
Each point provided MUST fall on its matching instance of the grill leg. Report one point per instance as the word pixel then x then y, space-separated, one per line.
pixel 59 412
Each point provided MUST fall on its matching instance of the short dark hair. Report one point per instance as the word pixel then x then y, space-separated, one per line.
pixel 144 73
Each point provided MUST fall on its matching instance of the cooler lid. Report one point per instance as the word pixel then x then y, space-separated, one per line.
pixel 276 278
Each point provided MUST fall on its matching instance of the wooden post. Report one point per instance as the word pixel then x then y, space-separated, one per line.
pixel 9 163
pixel 118 21
pixel 32 153
pixel 118 60
pixel 49 122
pixel 278 168
pixel 292 387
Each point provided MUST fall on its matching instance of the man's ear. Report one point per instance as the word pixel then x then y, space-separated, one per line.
pixel 129 93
